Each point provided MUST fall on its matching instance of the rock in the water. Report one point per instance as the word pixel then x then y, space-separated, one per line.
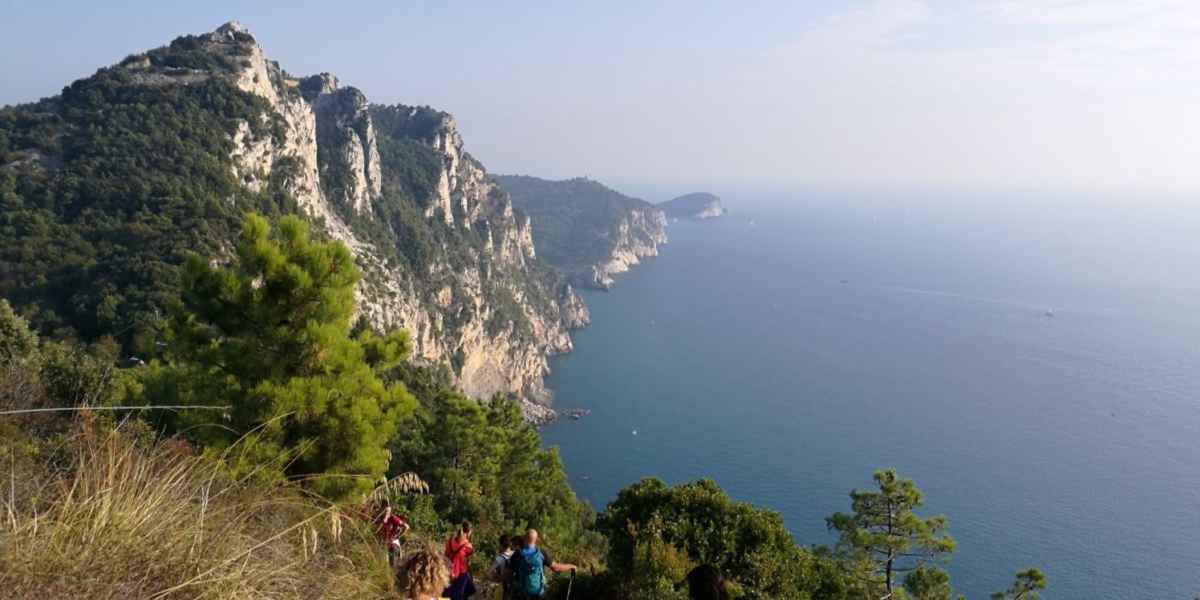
pixel 538 414
pixel 575 414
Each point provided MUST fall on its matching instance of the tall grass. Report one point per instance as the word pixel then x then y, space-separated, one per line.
pixel 100 515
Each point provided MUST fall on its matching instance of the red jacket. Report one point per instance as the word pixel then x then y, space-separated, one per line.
pixel 458 553
pixel 389 529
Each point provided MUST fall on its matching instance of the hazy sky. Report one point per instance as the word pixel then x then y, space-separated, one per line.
pixel 1091 94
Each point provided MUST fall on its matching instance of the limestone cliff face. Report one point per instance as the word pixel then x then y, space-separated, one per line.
pixel 471 292
pixel 292 154
pixel 586 229
pixel 463 189
pixel 637 235
pixel 347 151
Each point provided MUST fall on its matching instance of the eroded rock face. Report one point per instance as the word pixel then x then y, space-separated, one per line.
pixel 347 151
pixel 292 154
pixel 586 229
pixel 463 194
pixel 637 236
pixel 325 152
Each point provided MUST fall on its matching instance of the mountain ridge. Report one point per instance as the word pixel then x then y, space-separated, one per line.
pixel 443 253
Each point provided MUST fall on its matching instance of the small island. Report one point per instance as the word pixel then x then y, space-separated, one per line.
pixel 696 206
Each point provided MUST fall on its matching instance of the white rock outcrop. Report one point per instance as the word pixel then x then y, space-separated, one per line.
pixel 323 150
pixel 637 236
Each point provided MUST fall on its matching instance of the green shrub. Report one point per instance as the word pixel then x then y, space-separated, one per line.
pixel 749 545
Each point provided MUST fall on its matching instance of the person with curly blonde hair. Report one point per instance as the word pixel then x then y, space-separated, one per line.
pixel 425 575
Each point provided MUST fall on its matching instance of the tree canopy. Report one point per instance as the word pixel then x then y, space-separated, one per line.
pixel 1025 586
pixel 884 533
pixel 484 463
pixel 269 337
pixel 106 188
pixel 750 545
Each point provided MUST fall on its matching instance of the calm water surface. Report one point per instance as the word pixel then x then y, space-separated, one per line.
pixel 787 353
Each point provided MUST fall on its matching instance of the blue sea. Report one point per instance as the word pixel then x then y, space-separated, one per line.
pixel 1031 361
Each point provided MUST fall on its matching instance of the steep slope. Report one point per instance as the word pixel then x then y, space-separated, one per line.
pixel 586 229
pixel 106 187
pixel 697 206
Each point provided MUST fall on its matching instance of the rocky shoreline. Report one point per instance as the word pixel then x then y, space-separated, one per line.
pixel 585 229
pixel 540 415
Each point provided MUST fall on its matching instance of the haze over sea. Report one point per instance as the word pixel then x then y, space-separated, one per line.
pixel 789 352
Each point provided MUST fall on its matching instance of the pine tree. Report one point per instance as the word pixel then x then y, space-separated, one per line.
pixel 269 336
pixel 885 533
pixel 1024 587
pixel 17 342
pixel 927 582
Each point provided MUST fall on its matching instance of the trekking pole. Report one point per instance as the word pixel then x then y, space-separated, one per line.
pixel 570 584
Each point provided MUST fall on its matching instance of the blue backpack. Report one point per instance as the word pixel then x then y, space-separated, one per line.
pixel 529 577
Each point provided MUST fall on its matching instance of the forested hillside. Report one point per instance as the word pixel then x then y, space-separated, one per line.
pixel 106 187
pixel 585 229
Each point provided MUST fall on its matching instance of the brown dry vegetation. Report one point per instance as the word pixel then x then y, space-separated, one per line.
pixel 104 513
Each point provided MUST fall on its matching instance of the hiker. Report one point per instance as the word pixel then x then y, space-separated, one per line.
pixel 389 527
pixel 500 564
pixel 706 583
pixel 516 541
pixel 527 569
pixel 459 550
pixel 424 576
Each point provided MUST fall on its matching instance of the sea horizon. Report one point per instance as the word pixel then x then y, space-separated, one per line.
pixel 1027 366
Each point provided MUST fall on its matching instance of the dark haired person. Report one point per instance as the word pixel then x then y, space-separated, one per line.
pixel 706 583
pixel 500 563
pixel 458 551
pixel 389 527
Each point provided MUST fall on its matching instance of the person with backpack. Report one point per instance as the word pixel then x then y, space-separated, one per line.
pixel 459 550
pixel 527 569
pixel 505 551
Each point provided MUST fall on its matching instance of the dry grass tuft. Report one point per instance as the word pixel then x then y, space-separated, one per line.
pixel 100 516
pixel 404 484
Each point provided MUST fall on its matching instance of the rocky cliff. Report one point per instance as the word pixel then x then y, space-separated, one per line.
pixel 696 206
pixel 586 229
pixel 443 252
